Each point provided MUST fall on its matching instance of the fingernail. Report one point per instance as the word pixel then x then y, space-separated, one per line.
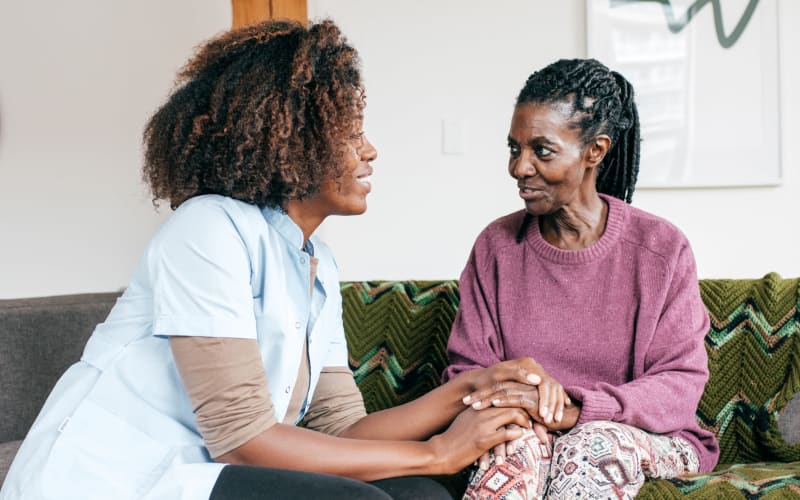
pixel 533 378
pixel 476 404
pixel 484 466
pixel 495 402
pixel 466 399
pixel 559 416
pixel 498 460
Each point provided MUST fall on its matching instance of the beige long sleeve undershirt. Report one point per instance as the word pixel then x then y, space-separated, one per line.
pixel 227 385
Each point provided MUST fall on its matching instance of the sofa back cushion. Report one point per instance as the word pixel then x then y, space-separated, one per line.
pixel 397 334
pixel 39 339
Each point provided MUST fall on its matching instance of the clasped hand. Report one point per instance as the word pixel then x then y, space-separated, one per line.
pixel 531 389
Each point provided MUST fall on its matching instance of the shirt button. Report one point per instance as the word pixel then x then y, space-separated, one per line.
pixel 297 325
pixel 302 260
pixel 288 389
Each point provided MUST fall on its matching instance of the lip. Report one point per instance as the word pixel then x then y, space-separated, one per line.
pixel 362 178
pixel 528 192
pixel 364 172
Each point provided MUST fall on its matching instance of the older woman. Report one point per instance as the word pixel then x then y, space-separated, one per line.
pixel 602 295
pixel 230 331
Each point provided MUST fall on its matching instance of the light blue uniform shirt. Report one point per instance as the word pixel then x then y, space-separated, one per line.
pixel 119 424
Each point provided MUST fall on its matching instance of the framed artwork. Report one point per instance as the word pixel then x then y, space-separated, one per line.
pixel 705 73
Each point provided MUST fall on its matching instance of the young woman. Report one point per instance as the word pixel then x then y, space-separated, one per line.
pixel 604 296
pixel 230 331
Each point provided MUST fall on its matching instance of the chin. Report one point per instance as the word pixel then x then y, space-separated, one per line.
pixel 535 209
pixel 538 208
pixel 353 209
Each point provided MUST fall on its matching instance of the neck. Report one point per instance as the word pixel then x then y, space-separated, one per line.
pixel 577 225
pixel 306 215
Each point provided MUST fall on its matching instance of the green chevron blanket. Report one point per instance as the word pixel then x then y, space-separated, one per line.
pixel 397 334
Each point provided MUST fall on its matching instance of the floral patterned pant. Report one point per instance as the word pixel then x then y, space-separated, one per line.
pixel 595 460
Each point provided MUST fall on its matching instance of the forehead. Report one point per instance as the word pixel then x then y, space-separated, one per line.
pixel 549 120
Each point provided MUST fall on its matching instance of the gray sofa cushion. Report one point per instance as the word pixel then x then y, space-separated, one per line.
pixel 7 452
pixel 28 370
pixel 789 422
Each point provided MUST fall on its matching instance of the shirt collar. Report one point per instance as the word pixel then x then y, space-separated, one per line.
pixel 284 224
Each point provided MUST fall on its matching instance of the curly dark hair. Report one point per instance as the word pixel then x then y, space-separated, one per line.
pixel 258 114
pixel 601 102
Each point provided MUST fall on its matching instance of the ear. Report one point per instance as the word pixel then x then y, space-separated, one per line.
pixel 596 150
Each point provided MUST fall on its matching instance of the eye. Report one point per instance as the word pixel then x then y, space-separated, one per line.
pixel 543 152
pixel 513 150
pixel 357 139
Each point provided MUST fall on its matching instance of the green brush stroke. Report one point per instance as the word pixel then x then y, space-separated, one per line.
pixel 676 25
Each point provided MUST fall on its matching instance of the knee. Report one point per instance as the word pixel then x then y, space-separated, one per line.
pixel 595 454
pixel 600 437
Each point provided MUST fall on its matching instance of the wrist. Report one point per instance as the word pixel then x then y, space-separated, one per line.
pixel 437 459
pixel 571 415
pixel 468 381
pixel 459 387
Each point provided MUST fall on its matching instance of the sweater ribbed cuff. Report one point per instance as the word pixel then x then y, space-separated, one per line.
pixel 596 405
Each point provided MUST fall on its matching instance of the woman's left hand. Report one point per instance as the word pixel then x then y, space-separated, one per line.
pixel 522 383
pixel 487 381
pixel 503 450
pixel 559 416
pixel 522 370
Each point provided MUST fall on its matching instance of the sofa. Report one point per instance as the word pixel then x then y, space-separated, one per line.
pixel 397 333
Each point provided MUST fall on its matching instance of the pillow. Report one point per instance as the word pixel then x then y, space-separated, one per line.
pixel 789 421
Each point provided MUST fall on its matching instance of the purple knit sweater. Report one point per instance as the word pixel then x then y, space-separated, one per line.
pixel 619 324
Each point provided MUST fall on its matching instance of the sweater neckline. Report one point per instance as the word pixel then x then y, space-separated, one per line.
pixel 617 213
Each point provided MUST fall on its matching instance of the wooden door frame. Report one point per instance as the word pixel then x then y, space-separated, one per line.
pixel 253 11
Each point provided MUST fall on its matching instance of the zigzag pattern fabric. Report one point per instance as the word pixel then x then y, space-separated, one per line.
pixel 397 334
pixel 397 337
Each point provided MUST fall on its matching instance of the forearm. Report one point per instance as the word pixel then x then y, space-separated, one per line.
pixel 664 398
pixel 660 403
pixel 288 447
pixel 418 419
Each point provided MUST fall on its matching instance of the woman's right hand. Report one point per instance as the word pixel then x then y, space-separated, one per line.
pixel 473 433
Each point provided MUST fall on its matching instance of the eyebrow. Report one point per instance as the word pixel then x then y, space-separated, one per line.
pixel 540 139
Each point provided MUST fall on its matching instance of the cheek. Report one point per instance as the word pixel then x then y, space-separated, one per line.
pixel 574 170
pixel 329 189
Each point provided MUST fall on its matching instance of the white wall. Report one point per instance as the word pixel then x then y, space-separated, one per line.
pixel 78 81
pixel 425 62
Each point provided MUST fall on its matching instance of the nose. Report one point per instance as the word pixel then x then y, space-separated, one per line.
pixel 368 151
pixel 521 166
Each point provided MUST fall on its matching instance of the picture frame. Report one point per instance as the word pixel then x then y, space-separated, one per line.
pixel 706 82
